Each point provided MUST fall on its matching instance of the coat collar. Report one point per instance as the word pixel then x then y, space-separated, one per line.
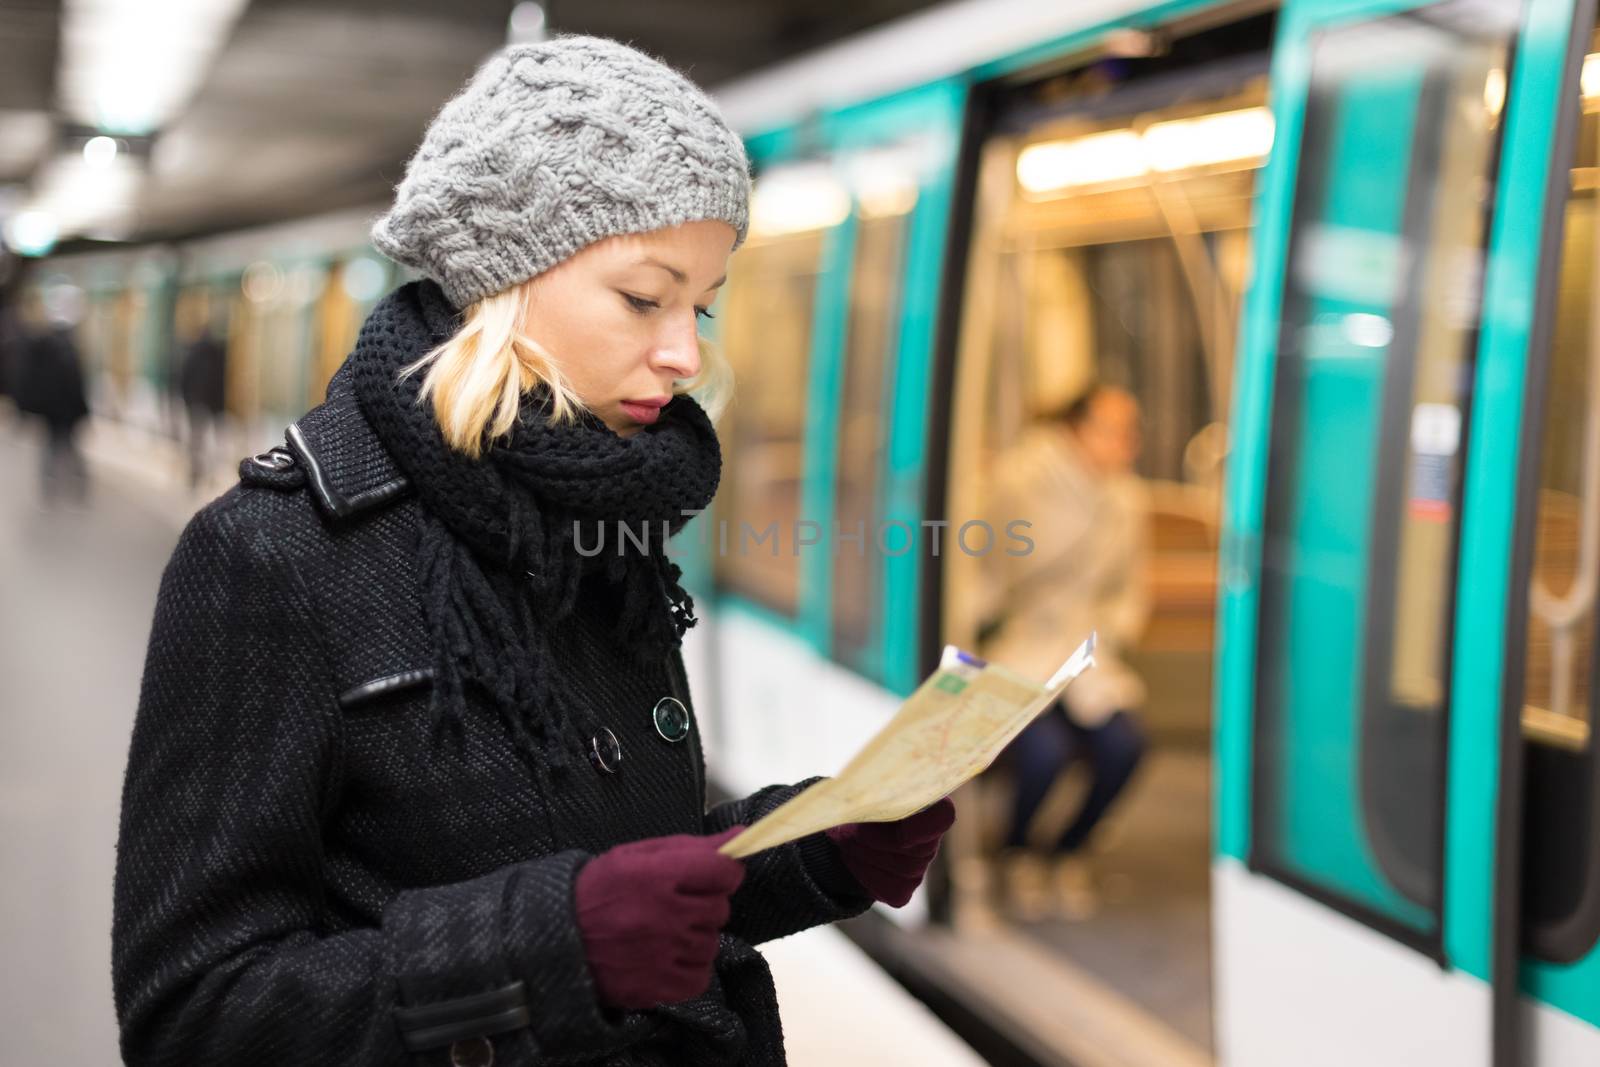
pixel 347 468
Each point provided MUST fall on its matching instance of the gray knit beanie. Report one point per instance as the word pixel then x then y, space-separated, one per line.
pixel 551 147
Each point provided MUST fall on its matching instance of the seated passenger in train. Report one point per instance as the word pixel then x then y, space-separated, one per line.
pixel 1071 476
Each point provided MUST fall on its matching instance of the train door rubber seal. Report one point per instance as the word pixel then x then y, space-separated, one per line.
pixel 1506 946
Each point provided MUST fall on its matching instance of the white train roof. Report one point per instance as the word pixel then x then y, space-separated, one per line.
pixel 906 52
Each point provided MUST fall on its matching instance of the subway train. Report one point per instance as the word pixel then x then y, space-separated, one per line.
pixel 1344 253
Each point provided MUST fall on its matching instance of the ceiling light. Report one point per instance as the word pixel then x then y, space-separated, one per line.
pixel 128 66
pixel 1209 140
pixel 98 152
pixel 82 196
pixel 32 233
pixel 1109 157
pixel 1115 155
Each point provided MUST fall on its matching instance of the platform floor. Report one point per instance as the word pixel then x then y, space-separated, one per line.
pixel 1127 985
pixel 1150 939
pixel 77 592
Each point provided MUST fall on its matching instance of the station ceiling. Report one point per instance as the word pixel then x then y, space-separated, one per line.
pixel 314 105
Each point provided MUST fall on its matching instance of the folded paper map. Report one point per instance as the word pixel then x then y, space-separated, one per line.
pixel 960 718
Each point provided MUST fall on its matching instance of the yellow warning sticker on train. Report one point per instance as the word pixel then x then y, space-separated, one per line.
pixel 947 732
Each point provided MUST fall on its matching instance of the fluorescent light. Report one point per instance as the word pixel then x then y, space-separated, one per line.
pixel 32 233
pixel 83 196
pixel 1368 331
pixel 884 181
pixel 1112 156
pixel 1494 91
pixel 796 199
pixel 99 152
pixel 1209 140
pixel 128 66
pixel 1589 79
pixel 1115 155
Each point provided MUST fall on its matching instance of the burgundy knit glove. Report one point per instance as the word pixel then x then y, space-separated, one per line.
pixel 649 913
pixel 890 858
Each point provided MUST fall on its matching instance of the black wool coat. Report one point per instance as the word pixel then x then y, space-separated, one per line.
pixel 307 874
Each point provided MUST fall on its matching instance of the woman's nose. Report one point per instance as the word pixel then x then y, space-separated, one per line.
pixel 678 352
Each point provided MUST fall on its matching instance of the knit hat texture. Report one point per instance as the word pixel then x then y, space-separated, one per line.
pixel 551 147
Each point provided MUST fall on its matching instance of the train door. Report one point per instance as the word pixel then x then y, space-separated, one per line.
pixel 1551 637
pixel 1367 816
pixel 1110 227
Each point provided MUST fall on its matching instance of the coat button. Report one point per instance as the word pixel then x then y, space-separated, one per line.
pixel 274 459
pixel 605 751
pixel 472 1052
pixel 671 719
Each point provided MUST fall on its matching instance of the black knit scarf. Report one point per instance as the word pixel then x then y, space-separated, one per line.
pixel 499 560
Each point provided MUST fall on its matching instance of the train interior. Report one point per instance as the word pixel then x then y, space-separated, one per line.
pixel 1560 883
pixel 1109 245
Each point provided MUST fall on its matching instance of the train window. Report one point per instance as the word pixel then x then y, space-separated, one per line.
pixel 272 323
pixel 873 331
pixel 334 329
pixel 133 307
pixel 1561 850
pixel 766 334
pixel 1377 337
pixel 349 289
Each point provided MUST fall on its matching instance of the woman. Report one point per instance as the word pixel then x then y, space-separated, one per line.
pixel 415 776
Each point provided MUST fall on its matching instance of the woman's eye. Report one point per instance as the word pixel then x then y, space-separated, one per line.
pixel 639 303
pixel 704 313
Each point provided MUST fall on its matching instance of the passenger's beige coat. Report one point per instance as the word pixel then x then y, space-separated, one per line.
pixel 1085 570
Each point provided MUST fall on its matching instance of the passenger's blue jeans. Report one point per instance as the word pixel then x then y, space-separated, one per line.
pixel 1048 746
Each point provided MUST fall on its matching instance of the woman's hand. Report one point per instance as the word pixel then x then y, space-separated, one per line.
pixel 649 914
pixel 890 858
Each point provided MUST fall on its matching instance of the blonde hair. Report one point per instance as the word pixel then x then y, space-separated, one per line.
pixel 477 378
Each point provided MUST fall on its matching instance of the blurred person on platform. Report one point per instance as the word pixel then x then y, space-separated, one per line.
pixel 11 343
pixel 1071 475
pixel 412 778
pixel 50 387
pixel 203 382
